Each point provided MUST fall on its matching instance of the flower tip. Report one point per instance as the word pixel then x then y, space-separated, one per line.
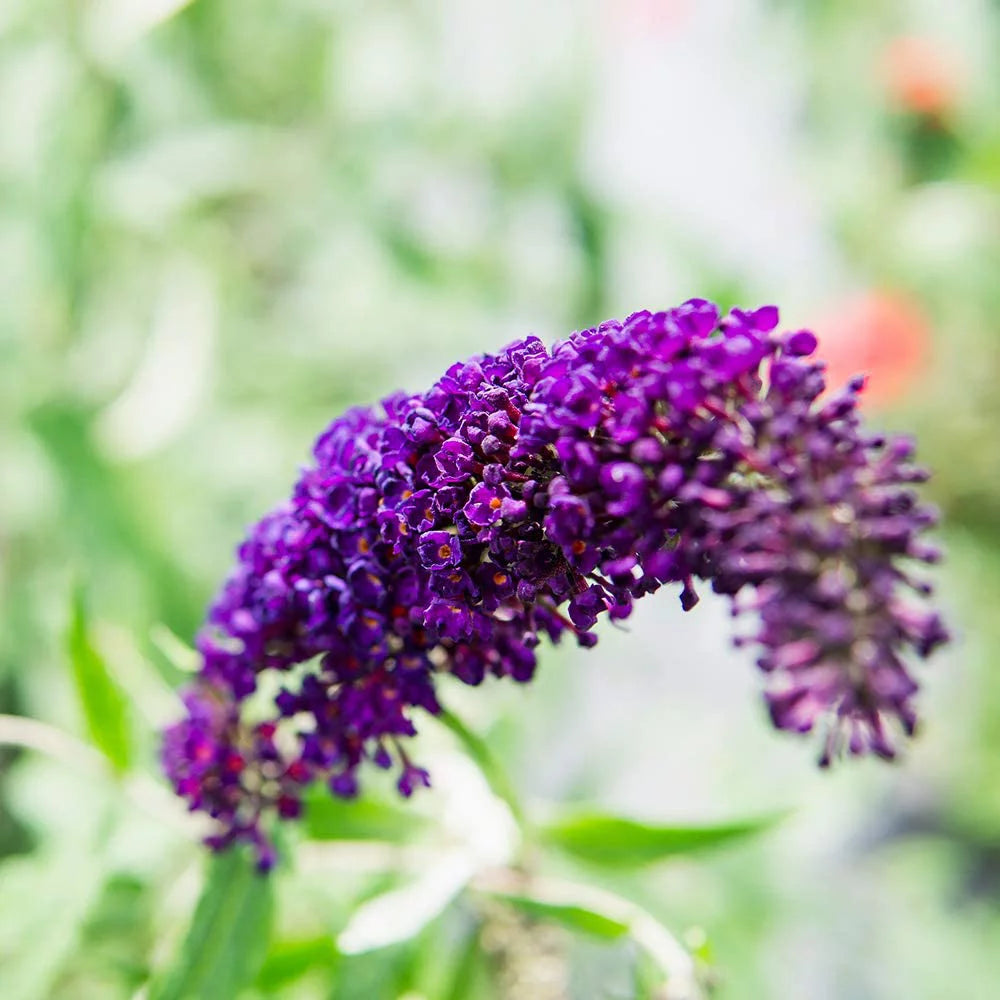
pixel 267 858
pixel 689 597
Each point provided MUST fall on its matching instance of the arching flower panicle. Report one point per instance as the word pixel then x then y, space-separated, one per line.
pixel 530 492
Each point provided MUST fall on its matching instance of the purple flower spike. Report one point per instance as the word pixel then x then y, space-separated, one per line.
pixel 530 492
pixel 485 503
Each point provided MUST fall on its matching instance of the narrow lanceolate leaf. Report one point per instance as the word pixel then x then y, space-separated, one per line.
pixel 570 915
pixel 227 940
pixel 104 706
pixel 288 961
pixel 615 841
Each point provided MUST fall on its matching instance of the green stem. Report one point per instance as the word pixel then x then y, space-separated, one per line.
pixel 670 956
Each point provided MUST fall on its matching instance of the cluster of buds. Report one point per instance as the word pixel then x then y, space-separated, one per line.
pixel 532 491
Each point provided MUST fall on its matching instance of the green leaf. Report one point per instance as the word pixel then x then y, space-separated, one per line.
pixel 330 818
pixel 569 915
pixel 288 961
pixel 615 841
pixel 227 940
pixel 105 708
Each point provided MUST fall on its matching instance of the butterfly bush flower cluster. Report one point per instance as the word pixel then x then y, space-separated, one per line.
pixel 524 496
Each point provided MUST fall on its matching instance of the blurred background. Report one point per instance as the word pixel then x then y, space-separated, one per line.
pixel 222 223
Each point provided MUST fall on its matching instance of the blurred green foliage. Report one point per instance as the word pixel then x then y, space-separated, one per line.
pixel 220 224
